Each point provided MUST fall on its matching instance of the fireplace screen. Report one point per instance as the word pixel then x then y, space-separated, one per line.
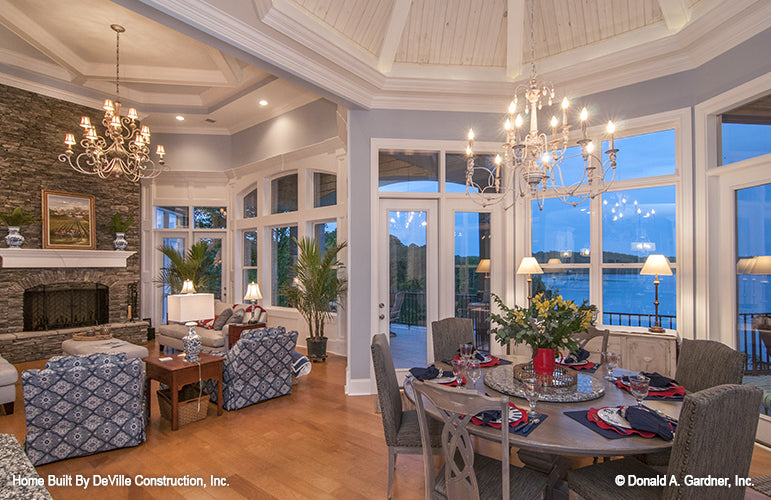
pixel 65 305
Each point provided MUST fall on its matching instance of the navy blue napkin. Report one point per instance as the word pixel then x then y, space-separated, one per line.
pixel 480 356
pixel 426 373
pixel 643 419
pixel 659 380
pixel 577 356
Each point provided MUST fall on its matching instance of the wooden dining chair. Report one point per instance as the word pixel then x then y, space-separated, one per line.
pixel 400 426
pixel 591 332
pixel 448 334
pixel 715 437
pixel 465 474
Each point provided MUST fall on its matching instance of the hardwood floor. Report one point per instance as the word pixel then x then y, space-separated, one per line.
pixel 315 443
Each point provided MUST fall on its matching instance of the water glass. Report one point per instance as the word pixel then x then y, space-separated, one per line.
pixel 611 360
pixel 533 387
pixel 458 369
pixel 638 386
pixel 466 350
pixel 474 370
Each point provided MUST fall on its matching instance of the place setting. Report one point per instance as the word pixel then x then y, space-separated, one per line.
pixel 521 421
pixel 660 387
pixel 486 360
pixel 578 360
pixel 624 421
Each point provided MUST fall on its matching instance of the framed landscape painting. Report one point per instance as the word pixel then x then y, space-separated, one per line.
pixel 68 220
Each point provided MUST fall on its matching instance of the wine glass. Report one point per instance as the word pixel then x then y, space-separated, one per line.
pixel 458 367
pixel 611 360
pixel 466 350
pixel 638 386
pixel 533 387
pixel 474 369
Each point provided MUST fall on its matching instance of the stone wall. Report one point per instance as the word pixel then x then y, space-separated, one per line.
pixel 31 140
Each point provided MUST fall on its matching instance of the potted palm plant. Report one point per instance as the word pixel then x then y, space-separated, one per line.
pixel 316 289
pixel 547 326
pixel 14 219
pixel 196 265
pixel 119 227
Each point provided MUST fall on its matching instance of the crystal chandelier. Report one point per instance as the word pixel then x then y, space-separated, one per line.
pixel 531 159
pixel 124 148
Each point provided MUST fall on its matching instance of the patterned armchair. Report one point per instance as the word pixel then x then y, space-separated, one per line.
pixel 81 405
pixel 256 368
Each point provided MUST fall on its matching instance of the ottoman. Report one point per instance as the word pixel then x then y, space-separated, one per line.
pixel 8 378
pixel 109 346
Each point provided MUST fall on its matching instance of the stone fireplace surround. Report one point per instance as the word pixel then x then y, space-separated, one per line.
pixel 18 346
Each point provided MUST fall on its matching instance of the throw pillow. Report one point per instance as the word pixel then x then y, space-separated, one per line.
pixel 223 318
pixel 237 316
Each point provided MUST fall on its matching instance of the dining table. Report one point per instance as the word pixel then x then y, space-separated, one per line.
pixel 559 436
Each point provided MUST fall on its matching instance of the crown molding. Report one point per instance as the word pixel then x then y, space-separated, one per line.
pixel 328 146
pixel 50 91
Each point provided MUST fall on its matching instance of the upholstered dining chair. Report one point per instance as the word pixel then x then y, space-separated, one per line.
pixel 707 363
pixel 715 437
pixel 465 474
pixel 448 334
pixel 400 426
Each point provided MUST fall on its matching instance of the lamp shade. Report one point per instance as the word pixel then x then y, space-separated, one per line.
pixel 759 265
pixel 529 266
pixel 484 266
pixel 191 307
pixel 187 287
pixel 252 292
pixel 657 264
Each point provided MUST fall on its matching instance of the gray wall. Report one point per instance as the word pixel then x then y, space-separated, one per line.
pixel 736 66
pixel 199 153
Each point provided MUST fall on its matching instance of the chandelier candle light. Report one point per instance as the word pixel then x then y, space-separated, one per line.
pixel 532 158
pixel 125 146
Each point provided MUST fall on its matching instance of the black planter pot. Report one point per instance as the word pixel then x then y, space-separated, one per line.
pixel 317 348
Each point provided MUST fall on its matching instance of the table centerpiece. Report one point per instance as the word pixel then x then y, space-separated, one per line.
pixel 547 326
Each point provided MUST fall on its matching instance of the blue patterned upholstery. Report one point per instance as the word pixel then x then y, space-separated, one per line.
pixel 256 368
pixel 81 405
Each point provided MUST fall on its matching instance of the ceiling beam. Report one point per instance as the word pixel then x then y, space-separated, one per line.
pixel 393 35
pixel 676 14
pixel 227 64
pixel 515 35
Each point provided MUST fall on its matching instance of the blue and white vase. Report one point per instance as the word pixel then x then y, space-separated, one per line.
pixel 191 343
pixel 14 239
pixel 120 243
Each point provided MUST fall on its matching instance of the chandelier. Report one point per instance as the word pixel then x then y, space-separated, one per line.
pixel 125 146
pixel 532 159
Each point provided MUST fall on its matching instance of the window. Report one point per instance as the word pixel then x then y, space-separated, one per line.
pixel 215 285
pixel 179 245
pixel 210 217
pixel 455 166
pixel 250 259
pixel 284 256
pixel 472 272
pixel 324 189
pixel 171 217
pixel 283 194
pixel 408 172
pixel 250 204
pixel 645 155
pixel 325 234
pixel 745 132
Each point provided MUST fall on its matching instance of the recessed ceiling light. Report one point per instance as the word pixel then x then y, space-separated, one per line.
pixel 180 117
pixel 263 102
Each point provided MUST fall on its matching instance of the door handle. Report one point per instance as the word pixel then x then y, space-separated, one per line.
pixel 382 316
pixel 381 305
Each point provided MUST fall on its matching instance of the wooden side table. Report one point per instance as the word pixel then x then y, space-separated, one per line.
pixel 235 329
pixel 177 372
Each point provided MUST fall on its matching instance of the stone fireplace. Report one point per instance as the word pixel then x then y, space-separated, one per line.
pixel 65 305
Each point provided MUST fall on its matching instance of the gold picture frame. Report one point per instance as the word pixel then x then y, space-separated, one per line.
pixel 68 221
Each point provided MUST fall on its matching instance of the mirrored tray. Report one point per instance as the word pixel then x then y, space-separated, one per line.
pixel 586 388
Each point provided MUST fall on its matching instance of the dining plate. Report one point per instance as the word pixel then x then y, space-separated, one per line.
pixel 650 388
pixel 612 416
pixel 441 380
pixel 514 416
pixel 486 360
pixel 576 363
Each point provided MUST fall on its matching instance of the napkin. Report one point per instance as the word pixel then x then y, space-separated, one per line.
pixel 492 417
pixel 674 391
pixel 659 380
pixel 577 356
pixel 428 373
pixel 643 419
pixel 593 417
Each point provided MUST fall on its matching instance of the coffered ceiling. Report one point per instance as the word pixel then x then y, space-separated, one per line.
pixel 212 61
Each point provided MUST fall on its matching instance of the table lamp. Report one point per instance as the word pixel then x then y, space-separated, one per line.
pixel 484 267
pixel 188 308
pixel 252 296
pixel 655 265
pixel 529 266
pixel 759 265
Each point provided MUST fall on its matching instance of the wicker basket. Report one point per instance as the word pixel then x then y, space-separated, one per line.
pixel 188 410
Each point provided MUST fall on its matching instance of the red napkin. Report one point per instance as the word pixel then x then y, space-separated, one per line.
pixel 523 418
pixel 493 361
pixel 674 390
pixel 593 417
pixel 587 366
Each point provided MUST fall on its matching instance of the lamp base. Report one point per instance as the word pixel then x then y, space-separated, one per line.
pixel 656 329
pixel 191 343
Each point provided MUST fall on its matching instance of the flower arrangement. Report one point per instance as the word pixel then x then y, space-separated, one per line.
pixel 549 322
